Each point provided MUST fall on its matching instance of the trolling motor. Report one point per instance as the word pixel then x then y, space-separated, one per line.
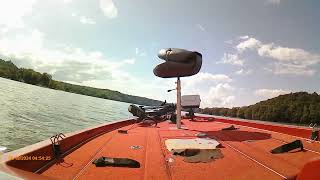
pixel 159 111
pixel 154 113
pixel 151 113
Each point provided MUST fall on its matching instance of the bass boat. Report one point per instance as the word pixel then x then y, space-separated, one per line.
pixel 165 143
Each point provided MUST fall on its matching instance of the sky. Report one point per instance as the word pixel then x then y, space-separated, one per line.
pixel 252 49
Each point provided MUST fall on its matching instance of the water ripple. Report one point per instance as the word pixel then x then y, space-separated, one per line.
pixel 29 114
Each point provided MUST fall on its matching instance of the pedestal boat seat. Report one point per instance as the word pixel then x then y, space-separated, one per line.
pixel 178 63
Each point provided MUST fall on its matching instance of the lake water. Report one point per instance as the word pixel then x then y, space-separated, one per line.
pixel 30 114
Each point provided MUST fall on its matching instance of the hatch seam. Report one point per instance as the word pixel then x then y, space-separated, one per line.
pixel 252 159
pixel 277 138
pixel 97 152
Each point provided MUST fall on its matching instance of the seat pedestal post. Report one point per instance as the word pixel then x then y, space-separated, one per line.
pixel 178 103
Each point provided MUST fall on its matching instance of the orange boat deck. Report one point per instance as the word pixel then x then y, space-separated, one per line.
pixel 246 154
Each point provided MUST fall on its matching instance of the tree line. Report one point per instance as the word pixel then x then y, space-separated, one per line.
pixel 297 108
pixel 10 71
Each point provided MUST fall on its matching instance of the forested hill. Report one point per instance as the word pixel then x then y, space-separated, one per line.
pixel 298 108
pixel 11 71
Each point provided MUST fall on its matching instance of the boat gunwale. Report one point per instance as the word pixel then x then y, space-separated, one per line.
pixel 293 130
pixel 80 137
pixel 7 165
pixel 296 126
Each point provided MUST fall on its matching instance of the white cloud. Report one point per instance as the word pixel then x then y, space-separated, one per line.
pixel 244 37
pixel 275 2
pixel 206 79
pixel 201 27
pixel 27 48
pixel 229 42
pixel 64 62
pixel 124 82
pixel 67 1
pixel 108 8
pixel 270 93
pixel 294 55
pixel 12 12
pixel 233 59
pixel 86 20
pixel 250 43
pixel 83 19
pixel 244 72
pixel 283 68
pixel 76 65
pixel 221 95
pixel 287 60
pixel 20 44
pixel 129 61
pixel 139 52
pixel 214 89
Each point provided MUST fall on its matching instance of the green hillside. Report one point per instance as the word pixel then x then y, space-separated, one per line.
pixel 297 108
pixel 11 71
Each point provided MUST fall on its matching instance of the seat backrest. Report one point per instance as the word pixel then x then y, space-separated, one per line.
pixel 179 63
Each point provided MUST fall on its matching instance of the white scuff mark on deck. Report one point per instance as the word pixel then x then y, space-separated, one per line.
pixel 196 143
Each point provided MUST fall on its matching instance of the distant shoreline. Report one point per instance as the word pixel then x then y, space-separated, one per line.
pixel 9 70
pixel 300 108
pixel 57 90
pixel 260 121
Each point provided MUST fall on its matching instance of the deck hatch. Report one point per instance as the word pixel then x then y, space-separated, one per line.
pixel 195 150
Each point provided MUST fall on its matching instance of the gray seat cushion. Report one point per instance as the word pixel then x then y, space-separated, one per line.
pixel 178 63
